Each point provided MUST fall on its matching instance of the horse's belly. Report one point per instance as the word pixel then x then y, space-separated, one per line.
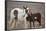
pixel 20 16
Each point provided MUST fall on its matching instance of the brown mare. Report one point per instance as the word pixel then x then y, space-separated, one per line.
pixel 32 18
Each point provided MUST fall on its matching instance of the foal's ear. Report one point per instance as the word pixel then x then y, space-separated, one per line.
pixel 24 7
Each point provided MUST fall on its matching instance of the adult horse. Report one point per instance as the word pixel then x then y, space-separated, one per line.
pixel 34 17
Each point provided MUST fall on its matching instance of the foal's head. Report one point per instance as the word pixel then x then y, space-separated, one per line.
pixel 26 9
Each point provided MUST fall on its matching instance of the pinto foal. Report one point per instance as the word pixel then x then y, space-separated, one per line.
pixel 16 15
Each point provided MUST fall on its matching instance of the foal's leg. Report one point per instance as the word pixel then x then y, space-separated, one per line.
pixel 25 21
pixel 13 24
pixel 10 22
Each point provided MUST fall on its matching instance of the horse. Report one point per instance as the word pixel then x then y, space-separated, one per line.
pixel 18 14
pixel 34 17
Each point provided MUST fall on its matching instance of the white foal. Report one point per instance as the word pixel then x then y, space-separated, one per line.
pixel 21 17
